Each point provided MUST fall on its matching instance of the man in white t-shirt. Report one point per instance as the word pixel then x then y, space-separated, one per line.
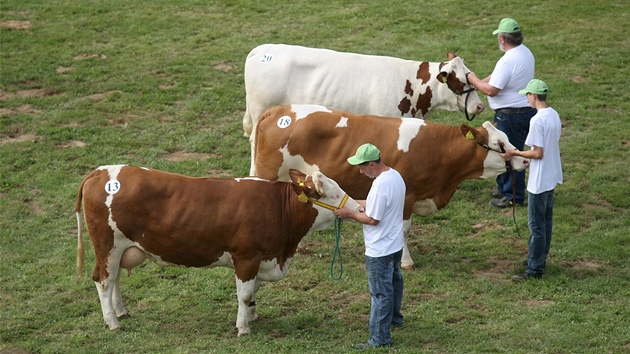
pixel 545 172
pixel 382 219
pixel 512 113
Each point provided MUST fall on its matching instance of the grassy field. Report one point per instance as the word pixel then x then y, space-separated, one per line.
pixel 160 84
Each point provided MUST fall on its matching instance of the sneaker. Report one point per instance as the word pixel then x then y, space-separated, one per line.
pixel 495 194
pixel 363 346
pixel 526 276
pixel 503 203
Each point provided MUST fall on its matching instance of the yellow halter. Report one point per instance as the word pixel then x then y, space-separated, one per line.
pixel 303 198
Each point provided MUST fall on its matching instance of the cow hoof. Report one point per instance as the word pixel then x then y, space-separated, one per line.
pixel 408 267
pixel 244 332
pixel 124 316
pixel 113 327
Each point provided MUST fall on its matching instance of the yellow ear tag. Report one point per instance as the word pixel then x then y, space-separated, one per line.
pixel 443 78
pixel 303 198
pixel 470 135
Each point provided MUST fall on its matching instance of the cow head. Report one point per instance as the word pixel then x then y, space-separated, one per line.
pixel 493 140
pixel 324 193
pixel 453 76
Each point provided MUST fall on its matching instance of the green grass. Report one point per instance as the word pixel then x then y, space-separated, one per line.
pixel 88 83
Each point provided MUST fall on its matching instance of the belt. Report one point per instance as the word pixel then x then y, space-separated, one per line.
pixel 510 110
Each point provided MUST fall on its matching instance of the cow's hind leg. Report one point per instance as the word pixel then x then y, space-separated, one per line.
pixel 245 290
pixel 117 302
pixel 406 261
pixel 105 289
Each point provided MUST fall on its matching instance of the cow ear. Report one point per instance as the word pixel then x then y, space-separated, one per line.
pixel 450 56
pixel 471 133
pixel 297 176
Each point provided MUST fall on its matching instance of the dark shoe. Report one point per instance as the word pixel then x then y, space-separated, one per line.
pixel 503 203
pixel 495 194
pixel 362 346
pixel 526 276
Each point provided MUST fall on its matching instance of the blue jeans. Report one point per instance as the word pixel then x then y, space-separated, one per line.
pixel 516 127
pixel 540 215
pixel 386 288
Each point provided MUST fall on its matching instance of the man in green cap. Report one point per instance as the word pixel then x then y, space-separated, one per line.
pixel 545 172
pixel 382 220
pixel 512 113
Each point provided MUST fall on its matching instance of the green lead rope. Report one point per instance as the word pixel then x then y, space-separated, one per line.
pixel 337 251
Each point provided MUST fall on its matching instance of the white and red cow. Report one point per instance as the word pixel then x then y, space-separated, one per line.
pixel 248 224
pixel 277 74
pixel 432 158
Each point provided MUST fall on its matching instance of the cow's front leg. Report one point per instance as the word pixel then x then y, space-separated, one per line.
pixel 245 291
pixel 406 262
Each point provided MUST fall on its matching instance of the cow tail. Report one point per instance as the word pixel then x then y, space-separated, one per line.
pixel 80 249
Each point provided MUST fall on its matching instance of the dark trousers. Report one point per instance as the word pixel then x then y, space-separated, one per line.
pixel 516 127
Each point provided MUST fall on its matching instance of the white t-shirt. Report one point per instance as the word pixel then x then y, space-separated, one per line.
pixel 512 73
pixel 385 202
pixel 544 131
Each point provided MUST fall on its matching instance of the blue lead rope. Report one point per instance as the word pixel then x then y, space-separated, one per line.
pixel 337 251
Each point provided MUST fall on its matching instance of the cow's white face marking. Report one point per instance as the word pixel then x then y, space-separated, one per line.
pixel 266 58
pixel 284 122
pixel 343 123
pixel 303 110
pixel 408 130
pixel 494 164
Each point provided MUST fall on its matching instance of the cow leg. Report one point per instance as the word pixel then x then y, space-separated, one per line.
pixel 406 261
pixel 251 310
pixel 252 142
pixel 117 301
pixel 105 290
pixel 245 292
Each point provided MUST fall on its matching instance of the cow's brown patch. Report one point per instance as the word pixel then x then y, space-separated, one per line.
pixel 404 105
pixel 423 72
pixel 423 105
pixel 15 24
pixel 408 89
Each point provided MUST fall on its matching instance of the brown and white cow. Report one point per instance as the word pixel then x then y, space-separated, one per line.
pixel 432 158
pixel 277 74
pixel 248 224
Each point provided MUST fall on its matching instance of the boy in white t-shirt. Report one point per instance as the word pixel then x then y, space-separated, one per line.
pixel 382 221
pixel 545 172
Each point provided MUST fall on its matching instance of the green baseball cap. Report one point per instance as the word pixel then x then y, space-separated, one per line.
pixel 507 25
pixel 365 153
pixel 535 86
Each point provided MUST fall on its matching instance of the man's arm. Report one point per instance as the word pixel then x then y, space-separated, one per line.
pixel 360 216
pixel 482 85
pixel 536 153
